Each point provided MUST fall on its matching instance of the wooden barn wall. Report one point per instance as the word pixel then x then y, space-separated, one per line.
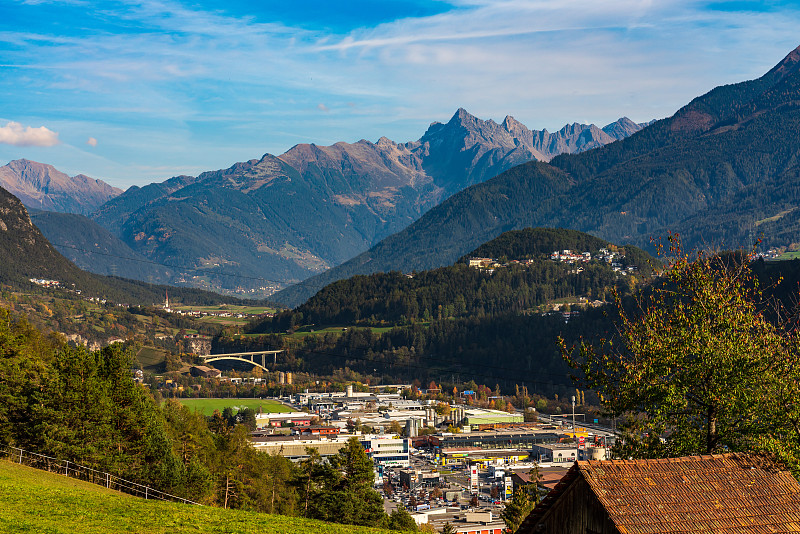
pixel 577 511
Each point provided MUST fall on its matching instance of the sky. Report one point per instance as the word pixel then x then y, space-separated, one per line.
pixel 134 92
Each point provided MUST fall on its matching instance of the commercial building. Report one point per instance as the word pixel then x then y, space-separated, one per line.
pixel 295 447
pixel 412 478
pixel 492 439
pixel 483 457
pixel 476 416
pixel 556 452
pixel 387 452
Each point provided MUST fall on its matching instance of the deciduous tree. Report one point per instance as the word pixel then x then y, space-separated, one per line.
pixel 698 367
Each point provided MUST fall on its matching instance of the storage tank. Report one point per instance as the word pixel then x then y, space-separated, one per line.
pixel 411 428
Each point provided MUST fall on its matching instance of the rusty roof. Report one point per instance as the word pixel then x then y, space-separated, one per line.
pixel 720 493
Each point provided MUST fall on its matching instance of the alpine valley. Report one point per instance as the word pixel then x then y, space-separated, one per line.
pixel 261 224
pixel 723 172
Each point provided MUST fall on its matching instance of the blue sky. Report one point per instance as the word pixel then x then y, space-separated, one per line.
pixel 137 91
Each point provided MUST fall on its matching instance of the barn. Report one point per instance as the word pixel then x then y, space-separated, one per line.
pixel 720 494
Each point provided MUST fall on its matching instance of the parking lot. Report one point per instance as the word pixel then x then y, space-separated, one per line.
pixel 452 481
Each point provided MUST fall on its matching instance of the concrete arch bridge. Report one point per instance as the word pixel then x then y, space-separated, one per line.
pixel 257 359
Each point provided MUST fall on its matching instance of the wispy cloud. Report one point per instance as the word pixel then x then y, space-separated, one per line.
pixel 217 83
pixel 14 133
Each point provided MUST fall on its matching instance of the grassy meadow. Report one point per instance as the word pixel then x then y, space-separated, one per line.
pixel 207 406
pixel 38 502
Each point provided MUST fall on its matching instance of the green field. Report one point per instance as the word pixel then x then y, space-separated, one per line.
pixel 247 310
pixel 35 501
pixel 207 406
pixel 151 357
pixel 313 331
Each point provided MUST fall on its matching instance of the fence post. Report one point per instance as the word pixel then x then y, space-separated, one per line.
pixel 145 492
pixel 66 469
pixel 20 456
pixel 108 480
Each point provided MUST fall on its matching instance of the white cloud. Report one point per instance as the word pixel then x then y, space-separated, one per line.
pixel 14 133
pixel 91 141
pixel 210 77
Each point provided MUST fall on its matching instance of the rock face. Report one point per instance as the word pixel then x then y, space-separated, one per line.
pixel 42 187
pixel 275 220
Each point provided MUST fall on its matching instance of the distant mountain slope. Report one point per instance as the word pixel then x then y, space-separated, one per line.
pixel 282 219
pixel 41 186
pixel 93 248
pixel 27 254
pixel 722 170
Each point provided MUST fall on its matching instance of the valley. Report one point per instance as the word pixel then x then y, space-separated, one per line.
pixel 372 334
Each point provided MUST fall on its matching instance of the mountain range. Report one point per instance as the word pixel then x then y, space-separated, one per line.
pixel 41 186
pixel 722 171
pixel 279 219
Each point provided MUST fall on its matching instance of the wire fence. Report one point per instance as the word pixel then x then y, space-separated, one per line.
pixel 81 472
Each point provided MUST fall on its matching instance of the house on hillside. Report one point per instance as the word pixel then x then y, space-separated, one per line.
pixel 721 494
pixel 481 263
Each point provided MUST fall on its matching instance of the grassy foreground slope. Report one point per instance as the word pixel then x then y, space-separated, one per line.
pixel 40 502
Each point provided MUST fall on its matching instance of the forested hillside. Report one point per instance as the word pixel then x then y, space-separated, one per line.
pixel 722 172
pixel 93 248
pixel 27 254
pixel 526 279
pixel 500 321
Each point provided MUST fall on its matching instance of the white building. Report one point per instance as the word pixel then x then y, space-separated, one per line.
pixel 387 452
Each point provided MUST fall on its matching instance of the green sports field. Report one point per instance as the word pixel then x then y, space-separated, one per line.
pixel 207 406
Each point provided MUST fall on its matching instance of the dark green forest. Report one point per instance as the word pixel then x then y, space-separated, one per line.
pixel 461 322
pixel 459 291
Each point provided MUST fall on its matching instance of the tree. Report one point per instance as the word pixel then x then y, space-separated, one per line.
pixel 448 529
pixel 395 428
pixel 247 417
pixel 698 367
pixel 517 509
pixel 400 519
pixel 347 495
pixel 309 473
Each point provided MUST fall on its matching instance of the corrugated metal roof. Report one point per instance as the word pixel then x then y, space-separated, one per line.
pixel 721 493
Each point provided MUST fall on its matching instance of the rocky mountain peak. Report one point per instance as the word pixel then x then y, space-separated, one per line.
pixel 42 186
pixel 513 126
pixel 385 142
pixel 789 64
pixel 621 128
pixel 463 116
